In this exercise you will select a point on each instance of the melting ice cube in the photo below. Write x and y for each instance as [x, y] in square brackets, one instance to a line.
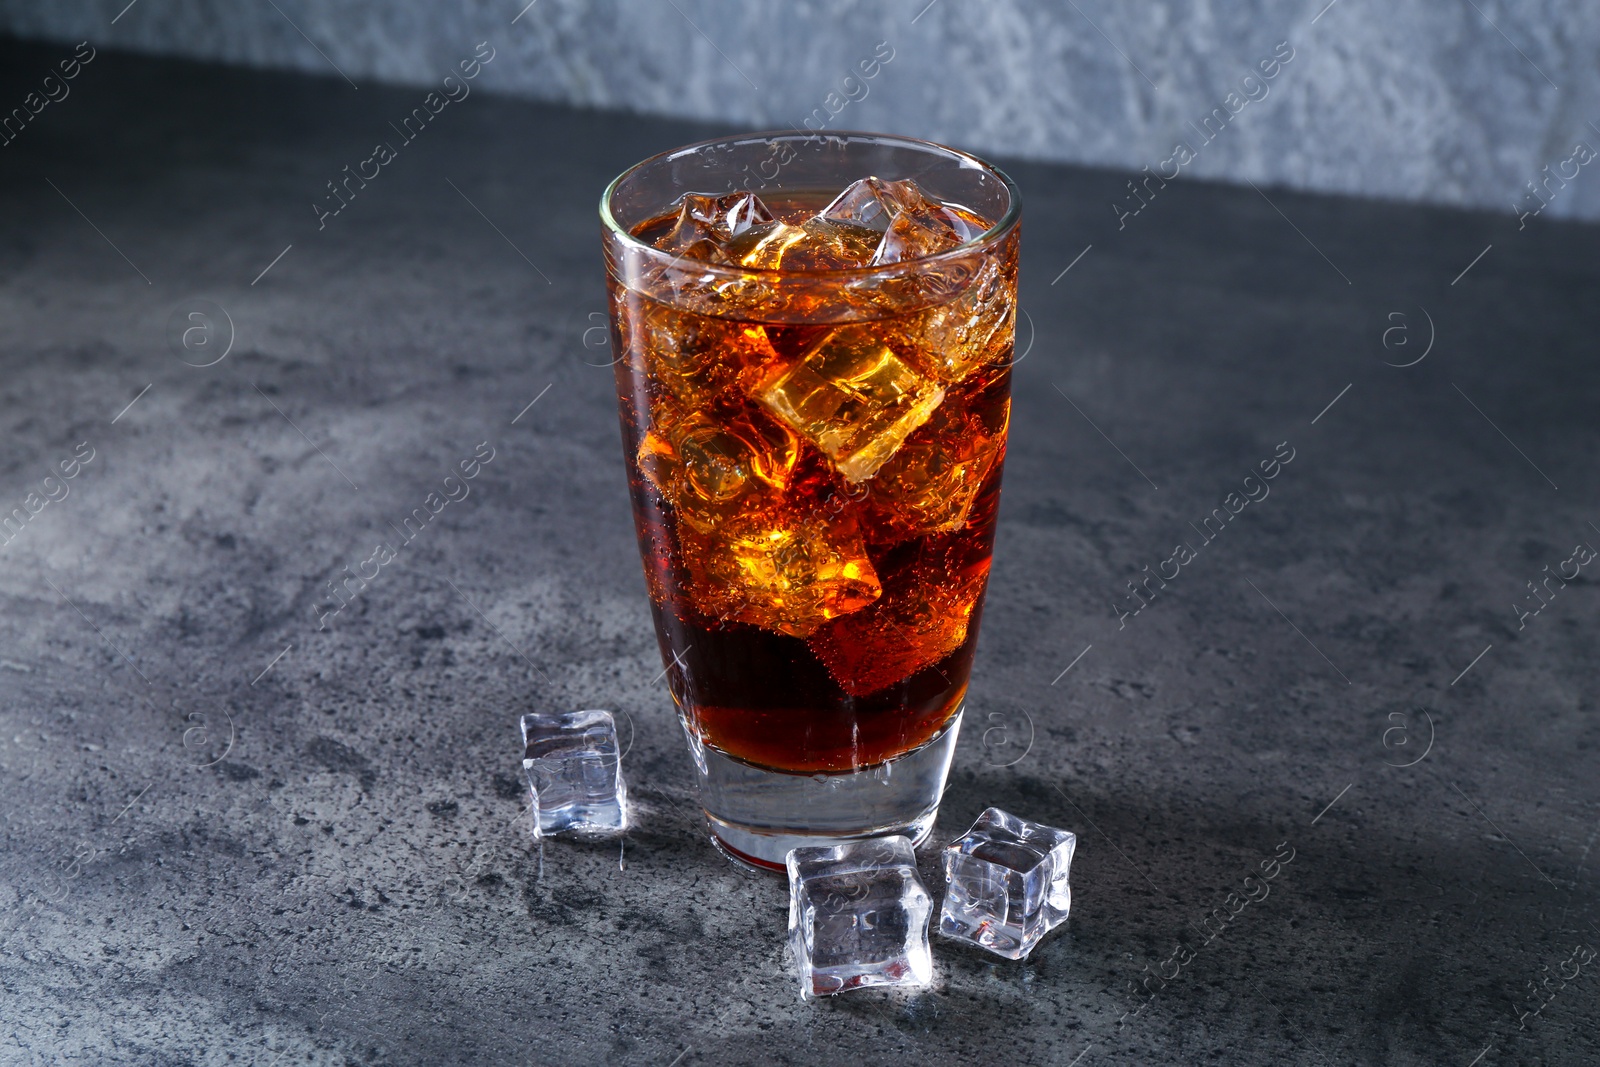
[574, 769]
[858, 916]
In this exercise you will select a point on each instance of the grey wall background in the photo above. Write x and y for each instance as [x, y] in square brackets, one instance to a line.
[1458, 102]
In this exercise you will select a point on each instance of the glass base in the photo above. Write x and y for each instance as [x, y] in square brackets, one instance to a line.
[757, 815]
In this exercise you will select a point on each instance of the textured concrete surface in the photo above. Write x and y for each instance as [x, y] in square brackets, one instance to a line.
[1455, 103]
[230, 836]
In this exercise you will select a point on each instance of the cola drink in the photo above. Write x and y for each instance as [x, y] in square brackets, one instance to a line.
[814, 388]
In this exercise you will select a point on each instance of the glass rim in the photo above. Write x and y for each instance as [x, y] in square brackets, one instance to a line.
[992, 236]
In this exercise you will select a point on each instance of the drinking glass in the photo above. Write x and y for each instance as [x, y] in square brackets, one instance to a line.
[814, 340]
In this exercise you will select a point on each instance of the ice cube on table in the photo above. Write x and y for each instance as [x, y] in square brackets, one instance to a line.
[858, 916]
[574, 768]
[1006, 883]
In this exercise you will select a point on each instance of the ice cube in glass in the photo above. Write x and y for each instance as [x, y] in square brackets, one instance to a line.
[858, 916]
[1006, 883]
[852, 397]
[574, 768]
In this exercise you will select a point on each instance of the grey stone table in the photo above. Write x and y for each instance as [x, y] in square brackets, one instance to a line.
[241, 827]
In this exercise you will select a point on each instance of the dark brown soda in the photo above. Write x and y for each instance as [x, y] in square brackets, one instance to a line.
[765, 697]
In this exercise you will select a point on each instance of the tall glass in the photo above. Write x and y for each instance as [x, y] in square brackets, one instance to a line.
[814, 456]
